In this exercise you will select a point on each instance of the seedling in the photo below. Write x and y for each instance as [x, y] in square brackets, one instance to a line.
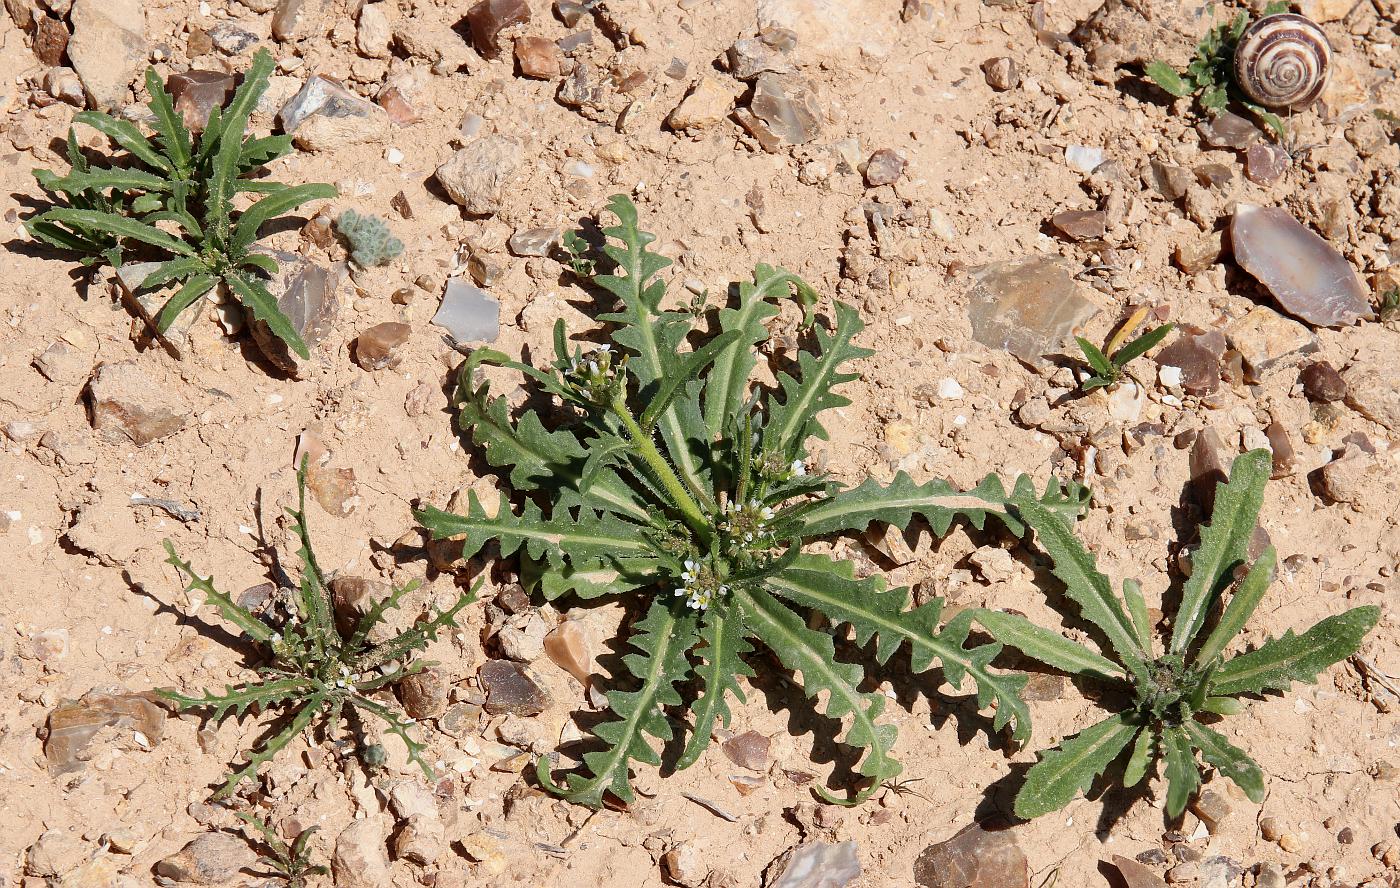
[1108, 363]
[186, 186]
[314, 670]
[679, 481]
[1388, 308]
[291, 862]
[1210, 76]
[1192, 677]
[371, 242]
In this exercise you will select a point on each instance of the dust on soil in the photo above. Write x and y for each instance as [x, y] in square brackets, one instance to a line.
[985, 171]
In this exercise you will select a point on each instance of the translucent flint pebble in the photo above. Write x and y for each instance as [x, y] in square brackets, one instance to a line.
[820, 865]
[468, 314]
[1028, 307]
[1310, 279]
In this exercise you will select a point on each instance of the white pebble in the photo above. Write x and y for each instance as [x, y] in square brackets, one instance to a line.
[1169, 376]
[1084, 158]
[949, 390]
[394, 156]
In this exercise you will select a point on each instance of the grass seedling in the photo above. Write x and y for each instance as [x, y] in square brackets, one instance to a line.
[188, 186]
[313, 670]
[291, 862]
[1108, 362]
[678, 478]
[1169, 693]
[1210, 76]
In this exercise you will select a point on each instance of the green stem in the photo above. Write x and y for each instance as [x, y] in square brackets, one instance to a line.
[644, 445]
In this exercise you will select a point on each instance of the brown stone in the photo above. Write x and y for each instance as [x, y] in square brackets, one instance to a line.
[1002, 73]
[72, 726]
[1265, 164]
[379, 347]
[974, 858]
[1207, 466]
[197, 93]
[425, 694]
[747, 750]
[50, 40]
[1285, 458]
[305, 293]
[1322, 383]
[1137, 875]
[1169, 180]
[883, 168]
[567, 646]
[1229, 130]
[353, 597]
[1029, 307]
[538, 57]
[400, 110]
[488, 18]
[211, 859]
[1266, 339]
[1198, 354]
[1081, 224]
[127, 403]
[1195, 256]
[511, 689]
[788, 106]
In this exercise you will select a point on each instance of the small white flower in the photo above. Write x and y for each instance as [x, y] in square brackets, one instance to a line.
[276, 637]
[798, 468]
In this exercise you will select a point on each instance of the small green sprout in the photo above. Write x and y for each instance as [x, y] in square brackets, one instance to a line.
[371, 242]
[1109, 362]
[1167, 694]
[109, 213]
[683, 478]
[291, 862]
[1210, 76]
[314, 670]
[1389, 308]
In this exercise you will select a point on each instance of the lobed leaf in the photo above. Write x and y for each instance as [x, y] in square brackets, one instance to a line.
[1045, 646]
[722, 631]
[231, 610]
[662, 639]
[794, 419]
[273, 206]
[255, 297]
[1228, 759]
[116, 226]
[128, 136]
[556, 540]
[1165, 76]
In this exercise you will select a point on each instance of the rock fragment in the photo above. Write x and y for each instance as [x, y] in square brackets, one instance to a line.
[788, 107]
[819, 865]
[63, 84]
[747, 750]
[360, 859]
[1371, 389]
[973, 857]
[65, 363]
[511, 688]
[50, 40]
[468, 314]
[1322, 383]
[372, 31]
[488, 18]
[108, 48]
[420, 840]
[353, 597]
[73, 725]
[1229, 130]
[1029, 307]
[567, 646]
[324, 116]
[305, 293]
[884, 167]
[687, 864]
[1198, 354]
[1265, 164]
[1081, 224]
[476, 176]
[211, 859]
[538, 58]
[707, 103]
[1137, 875]
[380, 347]
[1266, 339]
[1310, 279]
[196, 93]
[533, 241]
[749, 57]
[425, 694]
[1001, 73]
[230, 39]
[294, 19]
[128, 403]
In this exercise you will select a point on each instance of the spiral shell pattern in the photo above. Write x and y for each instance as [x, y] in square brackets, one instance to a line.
[1282, 61]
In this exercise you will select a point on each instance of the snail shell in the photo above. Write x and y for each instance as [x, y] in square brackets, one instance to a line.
[1282, 61]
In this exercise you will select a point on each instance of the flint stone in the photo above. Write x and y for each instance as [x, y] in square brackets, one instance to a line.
[1029, 307]
[108, 48]
[324, 115]
[567, 646]
[974, 858]
[63, 84]
[1305, 274]
[820, 865]
[50, 40]
[1322, 383]
[788, 107]
[488, 18]
[196, 93]
[511, 689]
[1195, 256]
[1001, 73]
[1081, 224]
[538, 57]
[1169, 180]
[747, 750]
[584, 88]
[1265, 164]
[295, 19]
[1207, 467]
[468, 314]
[476, 176]
[1229, 130]
[425, 694]
[353, 597]
[305, 293]
[533, 241]
[420, 840]
[1137, 875]
[210, 859]
[884, 167]
[128, 403]
[1197, 353]
[72, 725]
[378, 347]
[1371, 389]
[749, 57]
[1266, 339]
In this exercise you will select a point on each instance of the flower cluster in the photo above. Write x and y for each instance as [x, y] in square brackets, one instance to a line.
[594, 373]
[748, 522]
[775, 468]
[701, 584]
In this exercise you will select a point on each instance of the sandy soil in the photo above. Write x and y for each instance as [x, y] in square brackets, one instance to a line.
[985, 172]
